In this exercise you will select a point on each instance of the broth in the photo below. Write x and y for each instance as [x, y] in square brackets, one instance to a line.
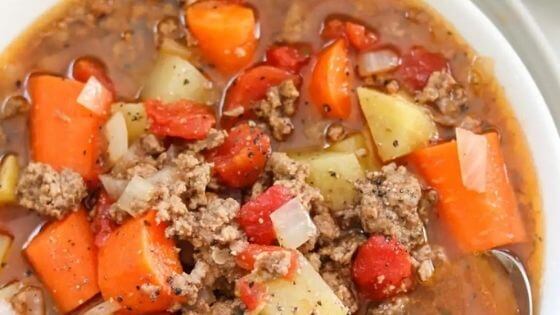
[124, 41]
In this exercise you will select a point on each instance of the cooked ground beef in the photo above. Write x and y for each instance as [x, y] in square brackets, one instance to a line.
[50, 193]
[336, 133]
[272, 265]
[277, 108]
[13, 106]
[340, 280]
[394, 306]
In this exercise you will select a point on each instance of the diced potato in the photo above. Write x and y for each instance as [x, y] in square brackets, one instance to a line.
[397, 125]
[362, 145]
[5, 244]
[174, 78]
[305, 295]
[135, 117]
[334, 173]
[9, 174]
[117, 137]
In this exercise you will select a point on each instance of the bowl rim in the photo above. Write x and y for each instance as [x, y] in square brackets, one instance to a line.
[532, 113]
[526, 101]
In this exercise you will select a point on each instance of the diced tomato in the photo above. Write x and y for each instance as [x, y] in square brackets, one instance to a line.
[382, 268]
[246, 259]
[254, 216]
[358, 35]
[287, 57]
[250, 87]
[86, 67]
[239, 162]
[418, 65]
[251, 293]
[182, 119]
[102, 224]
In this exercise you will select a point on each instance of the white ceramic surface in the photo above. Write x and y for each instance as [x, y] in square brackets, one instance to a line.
[521, 90]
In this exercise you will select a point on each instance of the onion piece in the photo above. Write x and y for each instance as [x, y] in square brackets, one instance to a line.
[473, 159]
[138, 191]
[108, 307]
[5, 244]
[165, 176]
[373, 62]
[292, 224]
[95, 97]
[6, 308]
[113, 186]
[19, 297]
[117, 137]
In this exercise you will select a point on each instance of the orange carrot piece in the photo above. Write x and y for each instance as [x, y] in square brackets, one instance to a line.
[478, 221]
[138, 254]
[225, 33]
[330, 81]
[64, 134]
[65, 259]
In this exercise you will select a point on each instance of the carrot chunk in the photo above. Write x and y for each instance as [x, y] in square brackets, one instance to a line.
[330, 81]
[64, 134]
[138, 255]
[225, 32]
[478, 221]
[65, 259]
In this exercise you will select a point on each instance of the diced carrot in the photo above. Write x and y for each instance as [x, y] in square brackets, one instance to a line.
[250, 87]
[330, 81]
[136, 255]
[225, 32]
[240, 161]
[64, 134]
[65, 259]
[182, 119]
[478, 221]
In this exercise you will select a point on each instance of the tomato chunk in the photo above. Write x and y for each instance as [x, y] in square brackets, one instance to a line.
[102, 224]
[330, 81]
[287, 57]
[251, 293]
[358, 35]
[182, 119]
[254, 216]
[418, 65]
[246, 259]
[382, 268]
[86, 67]
[241, 159]
[250, 87]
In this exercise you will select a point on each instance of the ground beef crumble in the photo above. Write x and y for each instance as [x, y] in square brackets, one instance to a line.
[277, 108]
[50, 193]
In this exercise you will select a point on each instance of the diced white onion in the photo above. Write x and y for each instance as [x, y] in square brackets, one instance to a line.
[165, 176]
[374, 62]
[29, 297]
[292, 224]
[95, 96]
[113, 186]
[117, 137]
[6, 308]
[137, 191]
[105, 308]
[473, 159]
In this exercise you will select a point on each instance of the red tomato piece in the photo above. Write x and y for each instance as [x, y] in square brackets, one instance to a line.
[417, 65]
[86, 67]
[102, 224]
[250, 87]
[287, 57]
[239, 162]
[251, 293]
[360, 37]
[254, 216]
[382, 268]
[182, 119]
[246, 259]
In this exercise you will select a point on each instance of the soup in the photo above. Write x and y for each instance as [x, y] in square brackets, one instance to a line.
[224, 156]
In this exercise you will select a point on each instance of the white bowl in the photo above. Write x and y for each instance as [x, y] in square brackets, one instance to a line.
[528, 105]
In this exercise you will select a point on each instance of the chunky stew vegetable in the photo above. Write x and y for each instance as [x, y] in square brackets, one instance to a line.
[258, 157]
